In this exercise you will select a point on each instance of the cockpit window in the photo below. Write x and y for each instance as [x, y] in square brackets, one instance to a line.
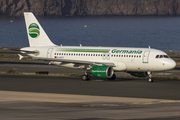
[166, 56]
[162, 56]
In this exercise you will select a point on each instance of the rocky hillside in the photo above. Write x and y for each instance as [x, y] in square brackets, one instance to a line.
[90, 7]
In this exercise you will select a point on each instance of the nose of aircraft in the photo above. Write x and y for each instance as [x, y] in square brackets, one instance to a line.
[172, 64]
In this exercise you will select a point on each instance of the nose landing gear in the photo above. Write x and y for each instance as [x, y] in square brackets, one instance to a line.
[150, 76]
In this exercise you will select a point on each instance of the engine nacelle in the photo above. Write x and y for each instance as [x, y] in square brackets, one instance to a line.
[139, 74]
[102, 71]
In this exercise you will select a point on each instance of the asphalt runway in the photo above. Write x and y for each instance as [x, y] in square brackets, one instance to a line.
[69, 98]
[161, 89]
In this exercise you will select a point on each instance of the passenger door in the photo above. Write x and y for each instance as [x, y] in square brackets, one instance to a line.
[146, 56]
[49, 53]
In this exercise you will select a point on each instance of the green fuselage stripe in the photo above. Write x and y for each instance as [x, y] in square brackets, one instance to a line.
[85, 50]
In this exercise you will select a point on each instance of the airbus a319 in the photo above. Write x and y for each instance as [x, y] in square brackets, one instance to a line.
[102, 62]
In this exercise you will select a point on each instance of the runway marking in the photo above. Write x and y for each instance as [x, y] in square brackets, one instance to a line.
[70, 98]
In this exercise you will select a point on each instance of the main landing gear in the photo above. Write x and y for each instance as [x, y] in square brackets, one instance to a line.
[150, 76]
[86, 76]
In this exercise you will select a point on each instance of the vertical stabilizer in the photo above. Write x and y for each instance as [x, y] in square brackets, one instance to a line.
[36, 34]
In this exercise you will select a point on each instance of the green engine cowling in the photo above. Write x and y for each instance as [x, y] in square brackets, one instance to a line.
[102, 71]
[139, 74]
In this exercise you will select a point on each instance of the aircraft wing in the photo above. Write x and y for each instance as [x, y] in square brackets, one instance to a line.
[77, 61]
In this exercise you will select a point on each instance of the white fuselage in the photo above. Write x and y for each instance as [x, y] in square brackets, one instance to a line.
[124, 58]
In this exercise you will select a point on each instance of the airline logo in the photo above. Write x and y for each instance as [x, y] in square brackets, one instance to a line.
[34, 31]
[127, 51]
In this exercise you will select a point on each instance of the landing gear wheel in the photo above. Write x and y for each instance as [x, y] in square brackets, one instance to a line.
[86, 77]
[150, 80]
[113, 77]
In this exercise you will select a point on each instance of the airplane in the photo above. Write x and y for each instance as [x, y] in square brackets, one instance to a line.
[101, 62]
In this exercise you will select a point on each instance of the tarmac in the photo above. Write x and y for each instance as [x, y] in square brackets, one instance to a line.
[24, 95]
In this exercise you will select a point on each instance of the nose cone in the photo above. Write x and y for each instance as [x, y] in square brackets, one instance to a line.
[171, 64]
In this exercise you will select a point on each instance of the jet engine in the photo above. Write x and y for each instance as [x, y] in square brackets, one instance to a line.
[102, 71]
